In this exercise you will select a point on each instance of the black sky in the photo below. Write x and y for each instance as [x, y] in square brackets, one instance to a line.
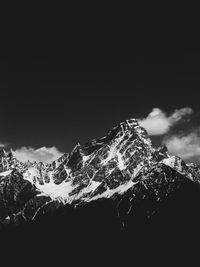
[58, 101]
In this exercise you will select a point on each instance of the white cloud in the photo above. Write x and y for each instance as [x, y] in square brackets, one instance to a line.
[187, 147]
[43, 154]
[158, 123]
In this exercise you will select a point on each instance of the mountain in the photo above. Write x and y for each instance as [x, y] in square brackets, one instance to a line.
[106, 168]
[119, 181]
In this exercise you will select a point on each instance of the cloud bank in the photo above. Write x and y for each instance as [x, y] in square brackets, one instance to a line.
[185, 146]
[184, 143]
[158, 123]
[44, 154]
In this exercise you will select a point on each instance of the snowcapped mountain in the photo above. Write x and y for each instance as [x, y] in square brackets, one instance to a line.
[123, 164]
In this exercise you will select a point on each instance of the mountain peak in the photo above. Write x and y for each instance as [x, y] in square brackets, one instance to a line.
[90, 170]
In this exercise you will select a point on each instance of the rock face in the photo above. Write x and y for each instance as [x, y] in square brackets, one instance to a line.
[121, 169]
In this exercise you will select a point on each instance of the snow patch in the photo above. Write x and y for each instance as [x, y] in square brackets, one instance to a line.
[5, 173]
[110, 192]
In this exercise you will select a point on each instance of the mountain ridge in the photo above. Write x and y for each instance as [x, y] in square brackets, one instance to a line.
[106, 168]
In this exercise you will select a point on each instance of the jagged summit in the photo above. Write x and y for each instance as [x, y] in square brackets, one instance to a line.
[100, 169]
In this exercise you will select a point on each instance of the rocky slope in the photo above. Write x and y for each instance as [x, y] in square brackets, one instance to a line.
[122, 168]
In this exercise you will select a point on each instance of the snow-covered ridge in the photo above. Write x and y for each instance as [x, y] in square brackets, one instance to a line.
[128, 138]
[99, 169]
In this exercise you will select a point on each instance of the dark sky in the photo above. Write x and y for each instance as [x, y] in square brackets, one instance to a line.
[49, 101]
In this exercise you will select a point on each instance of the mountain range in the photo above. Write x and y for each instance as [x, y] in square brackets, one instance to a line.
[122, 161]
[111, 185]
